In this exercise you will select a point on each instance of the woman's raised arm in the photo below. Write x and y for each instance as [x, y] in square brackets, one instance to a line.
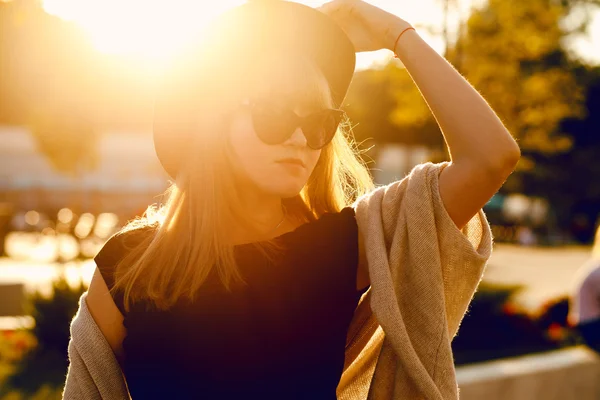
[483, 153]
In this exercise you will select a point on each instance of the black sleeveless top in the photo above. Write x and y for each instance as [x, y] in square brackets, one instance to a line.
[281, 335]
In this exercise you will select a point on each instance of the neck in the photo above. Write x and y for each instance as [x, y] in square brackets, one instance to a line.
[264, 214]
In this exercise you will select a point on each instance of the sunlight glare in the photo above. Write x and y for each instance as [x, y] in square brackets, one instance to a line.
[148, 29]
[152, 30]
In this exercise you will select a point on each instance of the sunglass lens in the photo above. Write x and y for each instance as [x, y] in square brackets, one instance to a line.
[321, 128]
[272, 126]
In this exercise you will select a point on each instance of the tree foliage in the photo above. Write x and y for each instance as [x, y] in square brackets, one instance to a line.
[515, 53]
[511, 52]
[389, 108]
[570, 179]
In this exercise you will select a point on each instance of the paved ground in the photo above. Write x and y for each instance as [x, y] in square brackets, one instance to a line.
[545, 273]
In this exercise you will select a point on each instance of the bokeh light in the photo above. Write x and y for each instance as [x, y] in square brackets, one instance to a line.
[32, 217]
[65, 215]
[84, 225]
[106, 223]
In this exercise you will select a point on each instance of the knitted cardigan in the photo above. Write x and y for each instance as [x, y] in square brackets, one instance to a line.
[423, 271]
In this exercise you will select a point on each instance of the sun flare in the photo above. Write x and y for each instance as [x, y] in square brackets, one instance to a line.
[151, 31]
[148, 29]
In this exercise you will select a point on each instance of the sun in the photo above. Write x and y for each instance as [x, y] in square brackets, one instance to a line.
[146, 29]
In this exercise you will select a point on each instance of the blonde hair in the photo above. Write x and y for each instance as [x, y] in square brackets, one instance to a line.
[190, 240]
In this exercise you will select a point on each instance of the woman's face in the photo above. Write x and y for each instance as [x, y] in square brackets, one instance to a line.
[281, 169]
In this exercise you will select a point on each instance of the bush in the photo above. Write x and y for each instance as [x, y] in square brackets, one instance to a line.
[496, 327]
[46, 392]
[42, 370]
[13, 345]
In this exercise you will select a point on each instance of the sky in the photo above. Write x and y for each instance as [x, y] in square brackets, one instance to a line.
[154, 29]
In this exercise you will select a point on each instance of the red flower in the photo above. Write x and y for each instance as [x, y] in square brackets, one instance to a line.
[556, 332]
[509, 308]
[21, 344]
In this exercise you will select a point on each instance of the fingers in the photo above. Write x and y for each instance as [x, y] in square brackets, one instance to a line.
[329, 8]
[338, 7]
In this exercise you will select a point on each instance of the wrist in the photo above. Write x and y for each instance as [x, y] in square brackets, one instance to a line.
[394, 32]
[406, 43]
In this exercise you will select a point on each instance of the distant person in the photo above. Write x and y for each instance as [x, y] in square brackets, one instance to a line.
[246, 284]
[585, 310]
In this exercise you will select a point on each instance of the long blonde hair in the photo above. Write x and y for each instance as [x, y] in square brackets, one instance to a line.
[190, 238]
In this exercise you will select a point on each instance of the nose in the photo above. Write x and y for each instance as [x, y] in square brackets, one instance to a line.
[297, 139]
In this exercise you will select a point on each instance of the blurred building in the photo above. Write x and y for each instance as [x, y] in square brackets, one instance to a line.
[128, 176]
[394, 161]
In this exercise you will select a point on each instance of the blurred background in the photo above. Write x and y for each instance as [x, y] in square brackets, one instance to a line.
[77, 81]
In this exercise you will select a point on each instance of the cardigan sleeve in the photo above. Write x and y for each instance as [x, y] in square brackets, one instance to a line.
[416, 222]
[409, 216]
[463, 254]
[423, 273]
[93, 372]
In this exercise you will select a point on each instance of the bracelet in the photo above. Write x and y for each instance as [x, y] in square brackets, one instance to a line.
[398, 38]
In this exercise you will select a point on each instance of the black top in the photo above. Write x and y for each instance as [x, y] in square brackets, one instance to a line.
[280, 336]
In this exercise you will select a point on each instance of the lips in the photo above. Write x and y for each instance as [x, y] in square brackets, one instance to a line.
[292, 161]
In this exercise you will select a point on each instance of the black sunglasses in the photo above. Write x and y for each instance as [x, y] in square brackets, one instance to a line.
[274, 125]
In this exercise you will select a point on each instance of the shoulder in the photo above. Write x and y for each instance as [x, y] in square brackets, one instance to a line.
[344, 218]
[121, 242]
[117, 246]
[331, 231]
[334, 225]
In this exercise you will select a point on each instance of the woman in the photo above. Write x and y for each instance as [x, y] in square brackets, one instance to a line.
[245, 283]
[585, 307]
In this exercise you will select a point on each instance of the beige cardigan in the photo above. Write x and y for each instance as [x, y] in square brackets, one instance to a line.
[423, 273]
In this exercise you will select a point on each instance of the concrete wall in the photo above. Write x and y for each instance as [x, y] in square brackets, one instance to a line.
[572, 374]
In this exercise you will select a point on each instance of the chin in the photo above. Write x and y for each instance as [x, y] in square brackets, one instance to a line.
[285, 190]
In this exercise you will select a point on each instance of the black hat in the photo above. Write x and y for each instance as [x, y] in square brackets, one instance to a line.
[246, 32]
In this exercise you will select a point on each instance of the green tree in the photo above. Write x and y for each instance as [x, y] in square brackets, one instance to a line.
[388, 108]
[511, 52]
[514, 53]
[570, 179]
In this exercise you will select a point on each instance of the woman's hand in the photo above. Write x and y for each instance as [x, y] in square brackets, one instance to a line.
[370, 28]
